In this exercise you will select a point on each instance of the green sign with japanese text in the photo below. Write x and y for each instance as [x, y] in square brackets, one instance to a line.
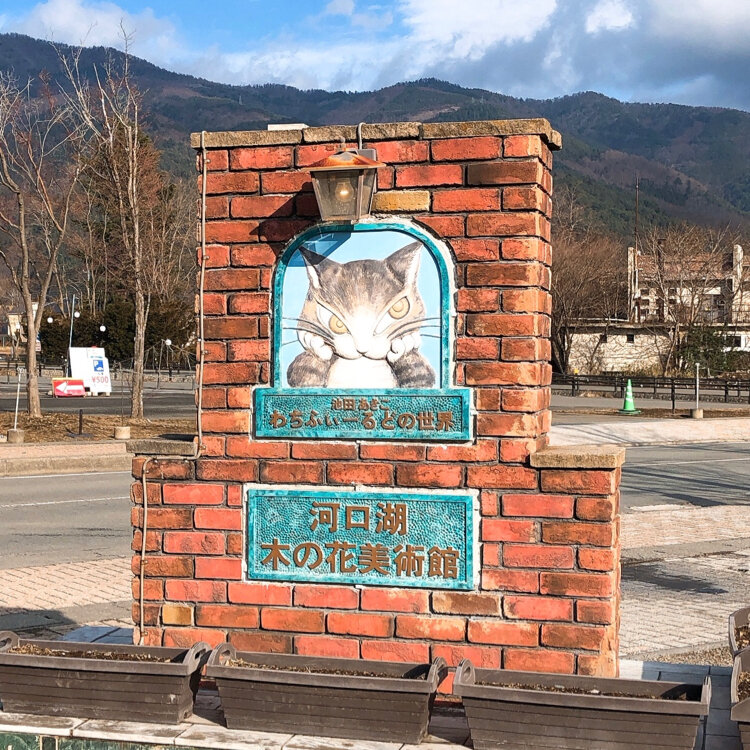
[366, 537]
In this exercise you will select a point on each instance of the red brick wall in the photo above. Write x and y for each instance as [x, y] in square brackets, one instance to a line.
[549, 532]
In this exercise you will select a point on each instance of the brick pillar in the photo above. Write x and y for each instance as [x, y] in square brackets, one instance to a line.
[547, 594]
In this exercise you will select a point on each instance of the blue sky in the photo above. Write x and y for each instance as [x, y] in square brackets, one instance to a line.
[684, 51]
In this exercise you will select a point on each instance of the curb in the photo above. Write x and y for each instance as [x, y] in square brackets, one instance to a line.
[19, 467]
[63, 458]
[652, 432]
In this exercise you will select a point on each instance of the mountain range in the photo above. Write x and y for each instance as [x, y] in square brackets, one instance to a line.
[691, 162]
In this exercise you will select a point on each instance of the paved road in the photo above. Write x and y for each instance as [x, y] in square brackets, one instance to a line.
[169, 400]
[51, 519]
[704, 475]
[686, 543]
[70, 518]
[176, 399]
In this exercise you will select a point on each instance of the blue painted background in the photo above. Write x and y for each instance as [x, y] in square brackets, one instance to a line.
[343, 247]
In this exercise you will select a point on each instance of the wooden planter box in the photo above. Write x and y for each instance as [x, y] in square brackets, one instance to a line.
[738, 619]
[348, 698]
[502, 713]
[741, 708]
[99, 688]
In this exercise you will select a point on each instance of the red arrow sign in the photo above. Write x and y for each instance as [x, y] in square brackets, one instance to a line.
[66, 387]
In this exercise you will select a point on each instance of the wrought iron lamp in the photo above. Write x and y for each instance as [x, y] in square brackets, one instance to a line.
[344, 184]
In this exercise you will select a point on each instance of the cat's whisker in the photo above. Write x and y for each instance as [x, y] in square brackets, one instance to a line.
[310, 327]
[430, 336]
[412, 326]
[305, 321]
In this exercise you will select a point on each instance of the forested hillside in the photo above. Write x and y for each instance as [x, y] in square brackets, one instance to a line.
[691, 161]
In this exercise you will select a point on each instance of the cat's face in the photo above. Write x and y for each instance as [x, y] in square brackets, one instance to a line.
[359, 308]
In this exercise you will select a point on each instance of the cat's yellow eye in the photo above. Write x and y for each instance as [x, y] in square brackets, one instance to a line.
[398, 309]
[337, 325]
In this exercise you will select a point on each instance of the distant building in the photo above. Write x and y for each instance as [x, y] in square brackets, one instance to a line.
[712, 291]
[711, 288]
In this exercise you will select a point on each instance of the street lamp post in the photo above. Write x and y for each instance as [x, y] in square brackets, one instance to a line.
[697, 412]
[168, 342]
[74, 314]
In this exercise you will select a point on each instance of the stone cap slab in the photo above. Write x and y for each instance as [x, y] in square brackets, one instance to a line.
[579, 457]
[162, 446]
[380, 131]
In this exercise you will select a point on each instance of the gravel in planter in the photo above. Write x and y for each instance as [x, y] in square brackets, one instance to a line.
[740, 695]
[131, 683]
[347, 698]
[538, 710]
[739, 630]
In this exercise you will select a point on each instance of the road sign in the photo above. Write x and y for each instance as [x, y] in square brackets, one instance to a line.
[67, 387]
[90, 364]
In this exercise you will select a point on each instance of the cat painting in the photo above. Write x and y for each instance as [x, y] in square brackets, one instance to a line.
[360, 324]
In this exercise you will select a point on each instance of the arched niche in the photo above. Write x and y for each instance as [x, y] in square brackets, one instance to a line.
[362, 338]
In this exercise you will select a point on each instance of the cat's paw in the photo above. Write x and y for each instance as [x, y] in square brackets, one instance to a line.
[402, 346]
[316, 345]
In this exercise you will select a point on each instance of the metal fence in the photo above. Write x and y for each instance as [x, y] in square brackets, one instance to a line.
[672, 389]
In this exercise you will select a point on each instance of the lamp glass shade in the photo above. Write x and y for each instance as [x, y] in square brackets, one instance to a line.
[345, 184]
[338, 194]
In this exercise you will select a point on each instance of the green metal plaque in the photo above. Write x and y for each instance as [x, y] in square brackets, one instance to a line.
[357, 413]
[368, 537]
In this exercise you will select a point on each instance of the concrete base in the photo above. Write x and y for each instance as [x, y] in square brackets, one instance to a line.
[15, 436]
[122, 432]
[696, 413]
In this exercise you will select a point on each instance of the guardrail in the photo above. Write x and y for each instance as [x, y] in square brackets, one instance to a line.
[672, 389]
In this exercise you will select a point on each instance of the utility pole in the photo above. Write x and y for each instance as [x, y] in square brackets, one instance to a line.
[634, 312]
[637, 190]
[697, 412]
[70, 336]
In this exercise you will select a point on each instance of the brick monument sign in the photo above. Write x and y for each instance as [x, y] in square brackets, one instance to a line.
[374, 478]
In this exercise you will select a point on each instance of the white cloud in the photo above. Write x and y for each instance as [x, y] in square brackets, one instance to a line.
[690, 51]
[720, 24]
[101, 23]
[340, 8]
[436, 36]
[469, 28]
[609, 15]
[372, 19]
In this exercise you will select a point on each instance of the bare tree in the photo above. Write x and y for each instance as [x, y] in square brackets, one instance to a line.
[111, 109]
[688, 280]
[40, 147]
[169, 227]
[136, 225]
[88, 249]
[588, 277]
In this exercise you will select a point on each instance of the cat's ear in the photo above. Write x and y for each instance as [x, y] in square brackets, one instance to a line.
[314, 263]
[405, 262]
